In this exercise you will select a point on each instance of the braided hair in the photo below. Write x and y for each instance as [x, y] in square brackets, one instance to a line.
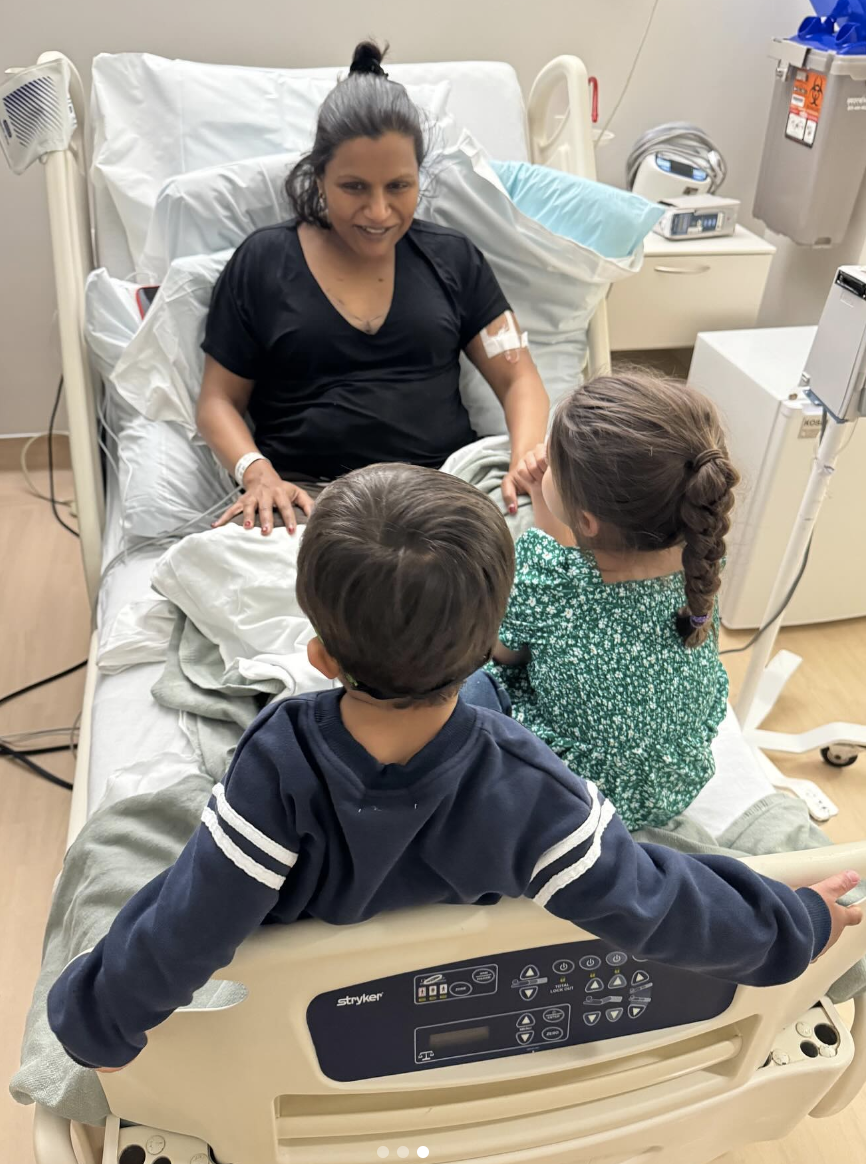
[646, 456]
[364, 104]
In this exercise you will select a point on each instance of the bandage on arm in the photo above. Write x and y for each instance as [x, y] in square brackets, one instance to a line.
[503, 338]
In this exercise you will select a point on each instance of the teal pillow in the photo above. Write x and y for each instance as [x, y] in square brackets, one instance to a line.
[611, 222]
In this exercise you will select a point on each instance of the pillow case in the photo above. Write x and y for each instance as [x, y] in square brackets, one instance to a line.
[610, 221]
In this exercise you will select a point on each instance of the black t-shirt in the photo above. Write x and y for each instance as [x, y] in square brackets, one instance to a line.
[328, 397]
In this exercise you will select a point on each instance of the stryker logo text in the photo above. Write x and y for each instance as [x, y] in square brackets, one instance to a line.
[359, 999]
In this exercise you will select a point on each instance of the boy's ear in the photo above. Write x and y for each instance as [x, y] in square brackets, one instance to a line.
[321, 660]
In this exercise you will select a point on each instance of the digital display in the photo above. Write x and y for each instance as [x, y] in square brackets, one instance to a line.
[443, 1040]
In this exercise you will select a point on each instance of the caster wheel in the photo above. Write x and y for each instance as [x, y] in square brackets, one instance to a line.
[838, 756]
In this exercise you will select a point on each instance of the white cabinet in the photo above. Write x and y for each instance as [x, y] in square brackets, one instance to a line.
[689, 286]
[754, 378]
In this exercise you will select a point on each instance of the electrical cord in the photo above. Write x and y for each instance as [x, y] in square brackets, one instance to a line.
[631, 73]
[37, 769]
[793, 587]
[41, 682]
[28, 480]
[52, 497]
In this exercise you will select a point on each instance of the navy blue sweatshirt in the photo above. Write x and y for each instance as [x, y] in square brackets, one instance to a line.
[307, 824]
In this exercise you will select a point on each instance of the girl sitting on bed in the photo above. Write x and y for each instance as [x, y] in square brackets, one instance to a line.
[609, 647]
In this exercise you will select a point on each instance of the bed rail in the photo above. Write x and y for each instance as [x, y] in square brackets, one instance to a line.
[69, 218]
[564, 141]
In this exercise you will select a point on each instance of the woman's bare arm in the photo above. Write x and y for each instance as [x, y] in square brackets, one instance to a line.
[222, 404]
[514, 378]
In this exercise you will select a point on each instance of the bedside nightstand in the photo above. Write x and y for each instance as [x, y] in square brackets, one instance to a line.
[689, 286]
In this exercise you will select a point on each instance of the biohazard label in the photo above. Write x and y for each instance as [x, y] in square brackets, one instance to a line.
[804, 108]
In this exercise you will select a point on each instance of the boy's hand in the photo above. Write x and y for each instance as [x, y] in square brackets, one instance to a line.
[841, 916]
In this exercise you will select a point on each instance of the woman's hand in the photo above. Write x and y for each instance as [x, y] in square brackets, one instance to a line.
[265, 491]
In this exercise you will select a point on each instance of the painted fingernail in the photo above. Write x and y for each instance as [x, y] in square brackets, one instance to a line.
[266, 529]
[248, 525]
[512, 509]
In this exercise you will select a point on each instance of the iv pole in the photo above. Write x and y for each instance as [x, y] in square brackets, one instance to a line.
[840, 743]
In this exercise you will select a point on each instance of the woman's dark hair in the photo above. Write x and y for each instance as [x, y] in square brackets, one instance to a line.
[405, 574]
[364, 104]
[646, 456]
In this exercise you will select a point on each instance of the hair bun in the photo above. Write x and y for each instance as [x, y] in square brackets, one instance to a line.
[367, 58]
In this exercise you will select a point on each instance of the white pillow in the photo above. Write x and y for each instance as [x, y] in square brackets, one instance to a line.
[156, 118]
[160, 371]
[553, 283]
[214, 209]
[165, 479]
[167, 482]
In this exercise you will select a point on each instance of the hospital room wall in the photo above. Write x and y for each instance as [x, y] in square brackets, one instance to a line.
[705, 63]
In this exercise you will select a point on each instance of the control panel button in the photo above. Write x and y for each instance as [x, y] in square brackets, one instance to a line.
[551, 1034]
[639, 977]
[443, 988]
[155, 1145]
[805, 1030]
[618, 982]
[563, 966]
[554, 1015]
[422, 991]
[430, 979]
[525, 1036]
[482, 977]
[592, 1017]
[527, 993]
[460, 989]
[526, 1020]
[617, 958]
[529, 972]
[594, 985]
[636, 1010]
[614, 1014]
[590, 962]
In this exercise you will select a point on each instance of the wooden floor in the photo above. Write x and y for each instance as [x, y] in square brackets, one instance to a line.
[45, 629]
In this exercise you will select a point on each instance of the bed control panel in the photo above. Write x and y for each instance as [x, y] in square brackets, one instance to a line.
[518, 1003]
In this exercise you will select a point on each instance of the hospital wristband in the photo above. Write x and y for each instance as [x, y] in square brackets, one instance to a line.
[244, 463]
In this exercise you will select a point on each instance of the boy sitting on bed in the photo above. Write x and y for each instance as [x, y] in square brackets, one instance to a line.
[396, 790]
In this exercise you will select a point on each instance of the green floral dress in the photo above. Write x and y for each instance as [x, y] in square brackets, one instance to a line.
[610, 686]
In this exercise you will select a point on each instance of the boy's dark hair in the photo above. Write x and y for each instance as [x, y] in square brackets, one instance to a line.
[405, 573]
[364, 104]
[647, 457]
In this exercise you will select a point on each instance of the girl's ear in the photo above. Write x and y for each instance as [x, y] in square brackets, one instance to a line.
[321, 660]
[588, 525]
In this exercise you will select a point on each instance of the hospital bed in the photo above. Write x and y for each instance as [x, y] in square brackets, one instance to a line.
[454, 1034]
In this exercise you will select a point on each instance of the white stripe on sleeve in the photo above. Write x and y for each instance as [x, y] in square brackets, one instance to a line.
[586, 862]
[237, 856]
[232, 817]
[581, 834]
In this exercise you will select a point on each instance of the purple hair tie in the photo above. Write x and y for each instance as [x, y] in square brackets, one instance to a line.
[698, 619]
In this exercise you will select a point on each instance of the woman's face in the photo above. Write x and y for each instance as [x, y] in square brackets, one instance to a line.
[370, 187]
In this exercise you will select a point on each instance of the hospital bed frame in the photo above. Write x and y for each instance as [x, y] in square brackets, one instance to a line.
[684, 1094]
